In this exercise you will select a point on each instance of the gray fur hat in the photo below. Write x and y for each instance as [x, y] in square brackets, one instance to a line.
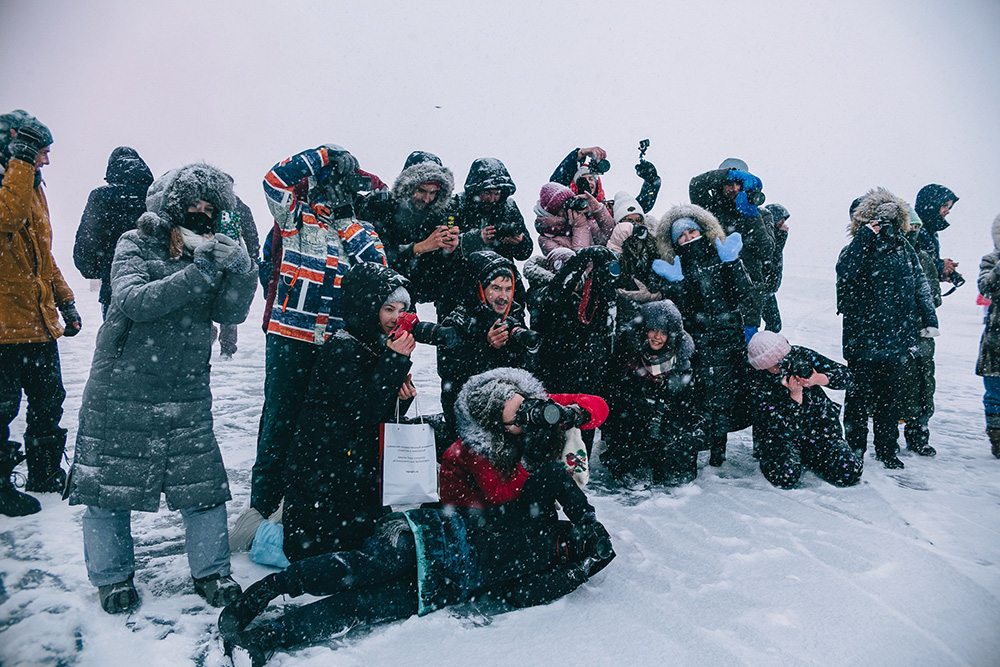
[169, 196]
[479, 405]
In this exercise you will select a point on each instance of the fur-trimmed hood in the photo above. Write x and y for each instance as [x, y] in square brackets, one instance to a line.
[169, 196]
[710, 228]
[422, 172]
[876, 203]
[664, 316]
[480, 404]
[996, 232]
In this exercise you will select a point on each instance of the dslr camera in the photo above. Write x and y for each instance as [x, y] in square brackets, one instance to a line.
[576, 204]
[428, 333]
[544, 413]
[796, 365]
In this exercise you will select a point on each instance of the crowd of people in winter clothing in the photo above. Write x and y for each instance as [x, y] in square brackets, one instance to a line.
[661, 332]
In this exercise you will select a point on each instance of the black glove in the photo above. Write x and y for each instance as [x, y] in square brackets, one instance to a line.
[72, 319]
[538, 444]
[29, 140]
[646, 171]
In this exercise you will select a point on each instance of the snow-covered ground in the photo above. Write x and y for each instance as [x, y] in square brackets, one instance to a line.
[903, 569]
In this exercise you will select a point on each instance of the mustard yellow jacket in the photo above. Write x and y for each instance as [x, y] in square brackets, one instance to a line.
[31, 285]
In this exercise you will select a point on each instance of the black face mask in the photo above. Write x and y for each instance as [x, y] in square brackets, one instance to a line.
[199, 223]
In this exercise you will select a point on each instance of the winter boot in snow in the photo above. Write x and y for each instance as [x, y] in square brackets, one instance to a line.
[251, 604]
[12, 501]
[718, 452]
[44, 456]
[119, 598]
[251, 648]
[917, 438]
[218, 590]
[994, 434]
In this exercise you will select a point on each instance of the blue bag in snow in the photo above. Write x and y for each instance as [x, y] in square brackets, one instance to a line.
[268, 545]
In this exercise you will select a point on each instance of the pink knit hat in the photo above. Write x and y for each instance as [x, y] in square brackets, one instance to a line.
[553, 196]
[766, 349]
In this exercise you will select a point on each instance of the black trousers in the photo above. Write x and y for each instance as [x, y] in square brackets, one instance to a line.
[34, 369]
[873, 391]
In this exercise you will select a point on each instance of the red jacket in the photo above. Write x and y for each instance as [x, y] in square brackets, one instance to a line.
[470, 478]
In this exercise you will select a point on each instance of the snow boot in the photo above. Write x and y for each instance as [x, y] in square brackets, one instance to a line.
[44, 456]
[119, 598]
[12, 501]
[218, 590]
[994, 434]
[251, 648]
[239, 614]
[917, 438]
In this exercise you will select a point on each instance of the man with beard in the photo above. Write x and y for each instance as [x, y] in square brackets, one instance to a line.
[726, 193]
[420, 241]
[32, 296]
[489, 217]
[490, 327]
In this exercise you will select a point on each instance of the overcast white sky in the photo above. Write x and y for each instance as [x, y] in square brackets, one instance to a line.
[823, 100]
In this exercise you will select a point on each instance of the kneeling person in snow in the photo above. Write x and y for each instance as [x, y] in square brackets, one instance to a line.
[421, 560]
[654, 422]
[146, 417]
[795, 423]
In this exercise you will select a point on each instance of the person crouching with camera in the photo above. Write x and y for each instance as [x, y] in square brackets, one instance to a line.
[489, 326]
[332, 495]
[795, 424]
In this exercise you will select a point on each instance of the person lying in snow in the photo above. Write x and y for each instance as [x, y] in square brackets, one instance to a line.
[424, 559]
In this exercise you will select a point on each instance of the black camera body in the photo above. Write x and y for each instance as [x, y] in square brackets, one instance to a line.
[576, 204]
[956, 279]
[640, 232]
[506, 230]
[796, 365]
[756, 197]
[599, 167]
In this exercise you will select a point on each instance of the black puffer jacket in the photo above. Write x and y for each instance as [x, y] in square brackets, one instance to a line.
[654, 420]
[473, 353]
[472, 216]
[930, 199]
[882, 290]
[111, 211]
[332, 497]
[577, 320]
[401, 226]
[711, 297]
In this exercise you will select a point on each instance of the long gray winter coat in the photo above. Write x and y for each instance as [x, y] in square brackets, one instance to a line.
[146, 417]
[989, 286]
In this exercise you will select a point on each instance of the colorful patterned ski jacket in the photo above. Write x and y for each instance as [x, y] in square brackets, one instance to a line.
[319, 245]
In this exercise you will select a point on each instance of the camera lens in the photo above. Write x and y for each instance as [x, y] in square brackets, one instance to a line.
[756, 197]
[600, 166]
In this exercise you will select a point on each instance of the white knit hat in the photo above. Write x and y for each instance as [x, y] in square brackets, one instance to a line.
[766, 349]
